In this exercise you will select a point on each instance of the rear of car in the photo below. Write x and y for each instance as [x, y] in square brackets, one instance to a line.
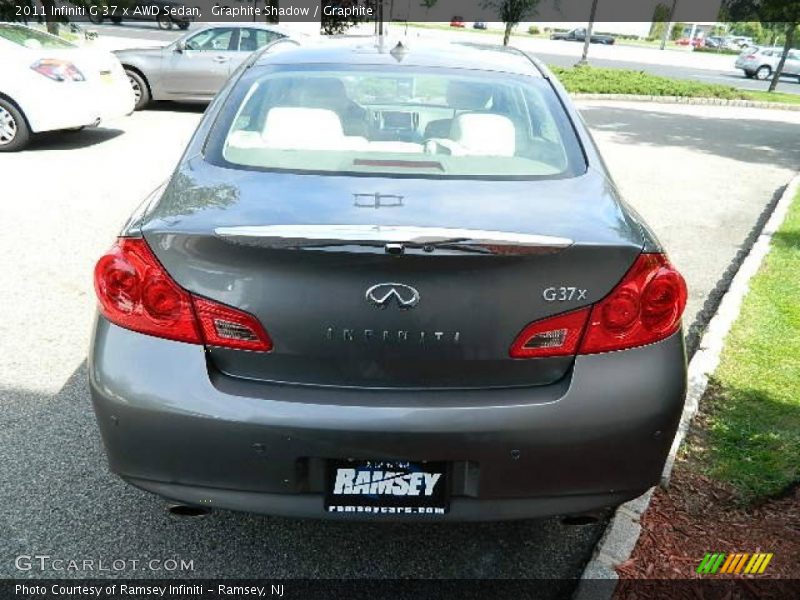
[389, 289]
[49, 84]
[762, 62]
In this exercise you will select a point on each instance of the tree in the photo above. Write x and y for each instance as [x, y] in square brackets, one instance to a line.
[660, 18]
[511, 12]
[783, 12]
[670, 25]
[428, 4]
[588, 39]
[8, 11]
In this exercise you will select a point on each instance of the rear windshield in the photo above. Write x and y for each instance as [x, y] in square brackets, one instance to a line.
[406, 122]
[30, 38]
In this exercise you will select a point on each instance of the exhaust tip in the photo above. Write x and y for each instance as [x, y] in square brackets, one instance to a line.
[578, 520]
[186, 510]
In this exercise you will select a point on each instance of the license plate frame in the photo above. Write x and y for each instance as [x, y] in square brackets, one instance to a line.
[387, 487]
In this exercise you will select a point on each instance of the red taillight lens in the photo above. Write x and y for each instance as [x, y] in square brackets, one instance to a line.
[645, 307]
[554, 336]
[136, 292]
[230, 328]
[58, 70]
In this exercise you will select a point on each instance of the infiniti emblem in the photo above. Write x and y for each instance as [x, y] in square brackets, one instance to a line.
[382, 295]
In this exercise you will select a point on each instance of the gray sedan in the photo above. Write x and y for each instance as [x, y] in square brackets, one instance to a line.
[194, 67]
[389, 282]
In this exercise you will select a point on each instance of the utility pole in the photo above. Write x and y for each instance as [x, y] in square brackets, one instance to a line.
[588, 39]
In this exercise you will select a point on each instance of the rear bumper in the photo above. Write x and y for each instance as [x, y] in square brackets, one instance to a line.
[175, 427]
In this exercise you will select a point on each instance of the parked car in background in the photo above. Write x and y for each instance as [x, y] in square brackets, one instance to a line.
[479, 25]
[194, 67]
[762, 62]
[457, 22]
[505, 343]
[167, 13]
[579, 35]
[693, 42]
[47, 84]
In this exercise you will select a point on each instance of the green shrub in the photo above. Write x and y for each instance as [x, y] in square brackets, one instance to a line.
[533, 30]
[718, 51]
[593, 80]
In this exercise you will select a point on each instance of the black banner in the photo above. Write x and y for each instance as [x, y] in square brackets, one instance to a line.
[442, 11]
[711, 588]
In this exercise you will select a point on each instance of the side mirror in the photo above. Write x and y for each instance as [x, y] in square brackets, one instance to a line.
[180, 46]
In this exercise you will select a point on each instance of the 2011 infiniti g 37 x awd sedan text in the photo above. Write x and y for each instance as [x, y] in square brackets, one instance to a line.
[389, 281]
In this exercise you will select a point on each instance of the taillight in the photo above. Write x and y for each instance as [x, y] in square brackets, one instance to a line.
[555, 336]
[230, 328]
[645, 307]
[58, 70]
[135, 292]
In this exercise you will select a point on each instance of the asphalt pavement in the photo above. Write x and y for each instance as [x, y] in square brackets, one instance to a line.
[702, 176]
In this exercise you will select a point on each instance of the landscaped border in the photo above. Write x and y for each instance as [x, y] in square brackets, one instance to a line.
[622, 533]
[688, 100]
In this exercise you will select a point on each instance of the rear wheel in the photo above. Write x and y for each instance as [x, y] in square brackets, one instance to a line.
[14, 131]
[164, 22]
[183, 24]
[763, 73]
[141, 92]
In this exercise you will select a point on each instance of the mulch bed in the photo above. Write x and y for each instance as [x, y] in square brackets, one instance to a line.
[697, 515]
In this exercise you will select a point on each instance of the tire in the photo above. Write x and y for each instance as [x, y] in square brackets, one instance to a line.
[763, 72]
[116, 20]
[140, 90]
[749, 74]
[96, 19]
[184, 25]
[14, 131]
[164, 22]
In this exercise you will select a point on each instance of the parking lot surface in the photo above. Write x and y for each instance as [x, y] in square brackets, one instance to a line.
[700, 175]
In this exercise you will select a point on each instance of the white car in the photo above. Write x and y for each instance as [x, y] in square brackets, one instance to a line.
[47, 84]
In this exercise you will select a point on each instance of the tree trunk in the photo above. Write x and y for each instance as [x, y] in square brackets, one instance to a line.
[588, 39]
[791, 29]
[52, 24]
[507, 34]
[669, 24]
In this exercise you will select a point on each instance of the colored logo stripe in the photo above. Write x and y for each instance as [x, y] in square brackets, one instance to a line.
[758, 563]
[734, 563]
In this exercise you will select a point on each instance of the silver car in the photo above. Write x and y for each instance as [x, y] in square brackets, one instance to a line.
[762, 62]
[194, 67]
[389, 282]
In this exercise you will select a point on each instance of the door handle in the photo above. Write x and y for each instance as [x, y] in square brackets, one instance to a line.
[221, 59]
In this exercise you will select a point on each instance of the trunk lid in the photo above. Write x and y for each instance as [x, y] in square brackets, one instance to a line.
[391, 282]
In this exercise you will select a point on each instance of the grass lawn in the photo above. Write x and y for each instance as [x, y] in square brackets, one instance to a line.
[749, 424]
[595, 80]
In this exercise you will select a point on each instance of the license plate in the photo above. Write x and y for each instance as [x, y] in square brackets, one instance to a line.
[387, 487]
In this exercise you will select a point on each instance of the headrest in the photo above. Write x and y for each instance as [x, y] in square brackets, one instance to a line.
[484, 134]
[468, 95]
[301, 127]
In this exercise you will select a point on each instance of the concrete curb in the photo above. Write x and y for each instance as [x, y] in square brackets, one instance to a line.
[619, 539]
[687, 100]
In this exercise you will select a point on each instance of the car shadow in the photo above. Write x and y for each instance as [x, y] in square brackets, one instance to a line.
[71, 140]
[760, 141]
[61, 496]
